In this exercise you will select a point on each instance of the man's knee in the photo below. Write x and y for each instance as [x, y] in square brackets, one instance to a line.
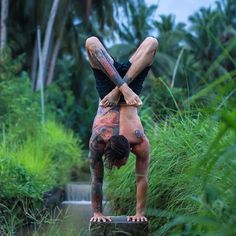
[91, 43]
[151, 44]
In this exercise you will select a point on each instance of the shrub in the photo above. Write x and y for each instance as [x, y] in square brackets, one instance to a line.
[191, 177]
[34, 157]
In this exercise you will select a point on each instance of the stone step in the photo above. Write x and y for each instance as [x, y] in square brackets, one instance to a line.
[119, 226]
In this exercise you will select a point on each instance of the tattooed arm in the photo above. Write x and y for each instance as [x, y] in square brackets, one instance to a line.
[97, 172]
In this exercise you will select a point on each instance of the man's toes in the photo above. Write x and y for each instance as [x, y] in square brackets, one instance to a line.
[104, 100]
[101, 103]
[104, 104]
[138, 101]
[131, 103]
[107, 104]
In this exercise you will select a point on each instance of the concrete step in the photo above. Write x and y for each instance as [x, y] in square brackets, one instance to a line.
[119, 226]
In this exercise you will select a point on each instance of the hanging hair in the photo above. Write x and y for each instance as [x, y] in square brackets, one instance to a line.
[117, 148]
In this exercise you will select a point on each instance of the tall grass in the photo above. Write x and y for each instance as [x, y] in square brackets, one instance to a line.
[34, 158]
[30, 169]
[191, 177]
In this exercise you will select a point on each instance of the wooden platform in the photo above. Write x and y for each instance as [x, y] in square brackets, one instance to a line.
[119, 226]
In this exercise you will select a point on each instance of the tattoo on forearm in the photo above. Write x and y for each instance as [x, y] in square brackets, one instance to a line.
[127, 79]
[97, 196]
[103, 61]
[97, 172]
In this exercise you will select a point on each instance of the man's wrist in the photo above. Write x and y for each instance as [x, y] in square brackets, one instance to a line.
[97, 212]
[122, 87]
[140, 211]
[116, 90]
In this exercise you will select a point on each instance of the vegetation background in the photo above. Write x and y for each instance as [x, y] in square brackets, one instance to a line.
[189, 109]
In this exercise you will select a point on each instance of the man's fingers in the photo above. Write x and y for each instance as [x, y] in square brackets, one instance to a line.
[136, 218]
[100, 219]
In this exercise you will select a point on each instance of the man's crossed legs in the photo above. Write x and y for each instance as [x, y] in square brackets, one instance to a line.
[100, 59]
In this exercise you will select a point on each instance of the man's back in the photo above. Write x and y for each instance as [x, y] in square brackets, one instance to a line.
[105, 125]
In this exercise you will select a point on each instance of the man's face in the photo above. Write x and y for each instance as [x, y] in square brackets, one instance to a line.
[121, 162]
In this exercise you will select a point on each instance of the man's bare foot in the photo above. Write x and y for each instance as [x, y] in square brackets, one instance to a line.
[111, 99]
[131, 98]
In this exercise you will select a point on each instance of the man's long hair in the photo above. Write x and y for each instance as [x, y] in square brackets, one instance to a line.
[117, 148]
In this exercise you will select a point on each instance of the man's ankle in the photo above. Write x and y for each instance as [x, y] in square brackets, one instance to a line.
[123, 87]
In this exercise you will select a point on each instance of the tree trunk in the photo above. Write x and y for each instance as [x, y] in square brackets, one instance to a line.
[53, 61]
[57, 47]
[34, 66]
[47, 38]
[3, 30]
[88, 7]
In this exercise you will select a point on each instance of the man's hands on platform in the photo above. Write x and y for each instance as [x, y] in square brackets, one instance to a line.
[137, 217]
[99, 217]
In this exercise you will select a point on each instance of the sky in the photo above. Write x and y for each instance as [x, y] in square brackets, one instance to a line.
[180, 8]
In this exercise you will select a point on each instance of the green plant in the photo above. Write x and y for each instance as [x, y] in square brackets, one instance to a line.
[34, 157]
[180, 162]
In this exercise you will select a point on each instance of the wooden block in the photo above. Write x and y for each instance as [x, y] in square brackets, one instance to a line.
[119, 226]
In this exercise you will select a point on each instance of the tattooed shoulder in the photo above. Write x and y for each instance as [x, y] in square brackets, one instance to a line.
[96, 142]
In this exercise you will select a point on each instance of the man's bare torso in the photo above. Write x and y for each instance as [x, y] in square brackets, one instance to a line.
[122, 119]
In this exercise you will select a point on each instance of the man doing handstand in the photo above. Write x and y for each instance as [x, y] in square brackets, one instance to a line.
[117, 128]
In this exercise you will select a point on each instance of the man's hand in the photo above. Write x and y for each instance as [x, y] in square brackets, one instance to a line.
[99, 217]
[137, 217]
[111, 99]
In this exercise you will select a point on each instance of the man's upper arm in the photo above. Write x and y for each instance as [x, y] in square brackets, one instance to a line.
[96, 143]
[142, 151]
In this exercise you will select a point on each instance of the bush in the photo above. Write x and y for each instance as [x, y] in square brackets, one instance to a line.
[34, 157]
[191, 177]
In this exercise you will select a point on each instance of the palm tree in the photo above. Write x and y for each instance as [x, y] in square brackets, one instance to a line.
[171, 46]
[134, 28]
[46, 44]
[3, 29]
[209, 43]
[27, 14]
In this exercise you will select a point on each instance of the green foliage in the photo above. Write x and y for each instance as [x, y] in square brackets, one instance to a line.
[72, 99]
[19, 107]
[34, 157]
[162, 99]
[192, 189]
[191, 176]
